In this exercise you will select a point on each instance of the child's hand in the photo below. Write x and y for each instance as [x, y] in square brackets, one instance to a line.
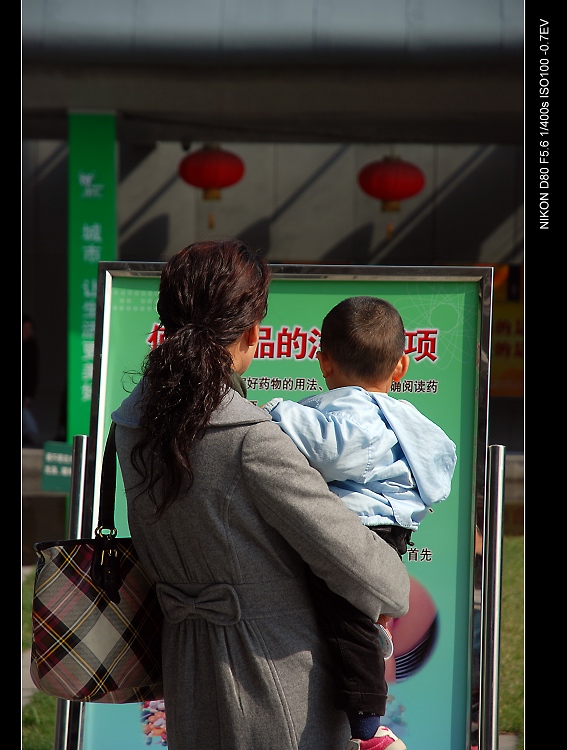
[271, 404]
[384, 636]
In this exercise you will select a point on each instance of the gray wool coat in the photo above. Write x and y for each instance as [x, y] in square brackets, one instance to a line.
[243, 662]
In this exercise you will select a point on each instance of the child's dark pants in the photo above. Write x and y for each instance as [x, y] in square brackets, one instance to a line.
[356, 654]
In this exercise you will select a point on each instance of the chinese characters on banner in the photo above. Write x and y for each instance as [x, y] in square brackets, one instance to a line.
[507, 361]
[92, 238]
[295, 343]
[57, 467]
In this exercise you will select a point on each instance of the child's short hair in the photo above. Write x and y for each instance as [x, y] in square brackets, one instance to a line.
[364, 336]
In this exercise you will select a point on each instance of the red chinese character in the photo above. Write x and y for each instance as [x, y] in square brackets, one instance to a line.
[156, 336]
[265, 348]
[284, 342]
[424, 342]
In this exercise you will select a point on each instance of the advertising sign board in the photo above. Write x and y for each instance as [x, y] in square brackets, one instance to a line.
[433, 676]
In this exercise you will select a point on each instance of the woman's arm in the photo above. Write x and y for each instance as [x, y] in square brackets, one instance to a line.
[293, 497]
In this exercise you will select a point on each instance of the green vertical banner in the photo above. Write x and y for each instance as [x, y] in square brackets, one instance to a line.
[92, 238]
[447, 314]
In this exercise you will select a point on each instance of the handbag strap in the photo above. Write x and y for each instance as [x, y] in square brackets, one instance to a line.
[108, 484]
[105, 568]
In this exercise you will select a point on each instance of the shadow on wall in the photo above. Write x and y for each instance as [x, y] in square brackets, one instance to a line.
[257, 235]
[506, 423]
[148, 243]
[354, 249]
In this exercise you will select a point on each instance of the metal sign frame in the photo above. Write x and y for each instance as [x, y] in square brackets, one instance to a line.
[484, 590]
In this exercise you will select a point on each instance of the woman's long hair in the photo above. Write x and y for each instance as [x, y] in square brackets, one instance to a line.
[209, 294]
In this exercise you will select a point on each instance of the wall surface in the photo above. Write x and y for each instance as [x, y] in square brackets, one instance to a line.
[306, 92]
[296, 202]
[311, 71]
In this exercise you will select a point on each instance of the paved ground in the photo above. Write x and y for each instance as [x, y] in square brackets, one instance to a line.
[28, 688]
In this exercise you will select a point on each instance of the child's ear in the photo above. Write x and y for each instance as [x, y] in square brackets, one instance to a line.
[325, 363]
[401, 368]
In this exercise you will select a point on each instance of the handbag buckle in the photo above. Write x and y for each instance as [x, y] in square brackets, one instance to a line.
[105, 570]
[110, 533]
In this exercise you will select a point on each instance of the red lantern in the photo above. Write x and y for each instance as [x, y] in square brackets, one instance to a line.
[211, 169]
[391, 180]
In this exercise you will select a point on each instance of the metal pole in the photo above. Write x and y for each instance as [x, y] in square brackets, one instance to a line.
[492, 599]
[78, 481]
[68, 718]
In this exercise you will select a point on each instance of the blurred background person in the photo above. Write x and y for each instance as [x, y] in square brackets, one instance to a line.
[30, 379]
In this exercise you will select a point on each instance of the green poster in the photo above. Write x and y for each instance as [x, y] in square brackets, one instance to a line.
[447, 317]
[92, 238]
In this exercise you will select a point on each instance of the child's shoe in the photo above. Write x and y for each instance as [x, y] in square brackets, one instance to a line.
[384, 739]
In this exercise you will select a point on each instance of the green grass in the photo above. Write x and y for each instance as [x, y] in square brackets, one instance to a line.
[27, 596]
[38, 723]
[38, 717]
[511, 686]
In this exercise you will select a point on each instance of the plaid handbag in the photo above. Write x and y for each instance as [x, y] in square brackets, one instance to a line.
[96, 619]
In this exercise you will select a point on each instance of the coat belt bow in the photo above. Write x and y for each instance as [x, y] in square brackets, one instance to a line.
[218, 604]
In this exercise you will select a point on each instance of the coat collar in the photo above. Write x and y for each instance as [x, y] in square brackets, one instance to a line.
[234, 409]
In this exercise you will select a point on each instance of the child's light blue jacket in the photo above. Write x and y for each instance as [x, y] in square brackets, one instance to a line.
[385, 459]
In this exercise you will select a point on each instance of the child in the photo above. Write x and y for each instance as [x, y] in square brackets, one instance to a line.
[388, 463]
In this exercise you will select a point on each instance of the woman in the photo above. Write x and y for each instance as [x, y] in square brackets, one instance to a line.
[226, 513]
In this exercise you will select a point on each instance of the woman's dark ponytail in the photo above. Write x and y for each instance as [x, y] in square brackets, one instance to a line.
[210, 293]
